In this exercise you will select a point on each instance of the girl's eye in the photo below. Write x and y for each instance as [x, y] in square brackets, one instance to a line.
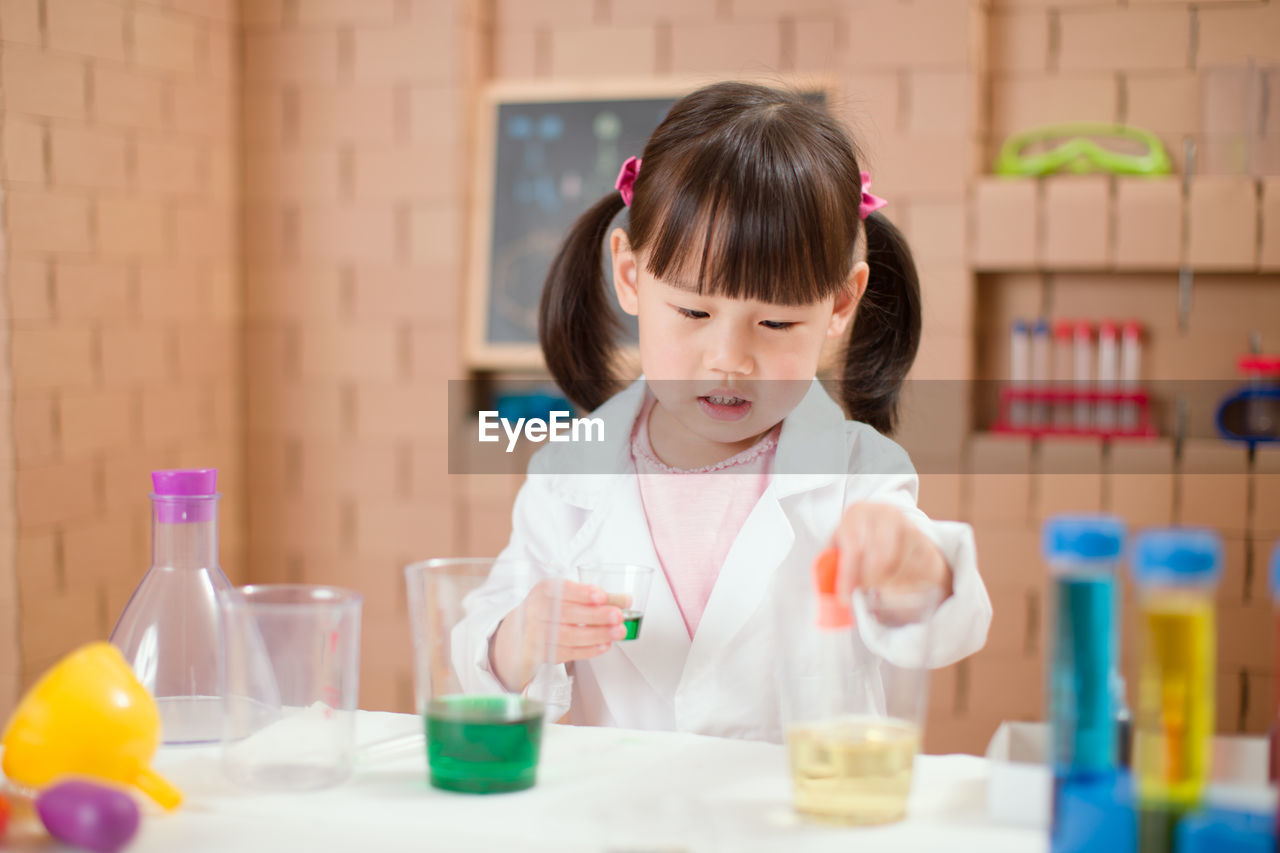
[776, 324]
[692, 314]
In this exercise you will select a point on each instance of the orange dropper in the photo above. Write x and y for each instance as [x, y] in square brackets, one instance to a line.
[833, 614]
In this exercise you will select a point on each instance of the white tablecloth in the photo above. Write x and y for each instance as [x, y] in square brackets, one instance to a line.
[598, 790]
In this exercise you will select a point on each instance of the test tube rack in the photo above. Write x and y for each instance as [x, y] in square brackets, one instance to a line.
[1019, 408]
[1083, 381]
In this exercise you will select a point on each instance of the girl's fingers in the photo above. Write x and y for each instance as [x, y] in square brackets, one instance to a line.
[542, 600]
[850, 572]
[589, 614]
[573, 616]
[878, 546]
[914, 555]
[581, 593]
[850, 539]
[882, 553]
[582, 635]
[586, 624]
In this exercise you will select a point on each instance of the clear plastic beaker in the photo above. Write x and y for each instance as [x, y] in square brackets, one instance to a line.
[483, 735]
[626, 585]
[168, 632]
[854, 693]
[291, 678]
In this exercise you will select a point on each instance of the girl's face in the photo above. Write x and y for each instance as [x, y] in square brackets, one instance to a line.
[726, 370]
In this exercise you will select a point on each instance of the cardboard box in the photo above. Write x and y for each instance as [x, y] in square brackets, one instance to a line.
[1020, 785]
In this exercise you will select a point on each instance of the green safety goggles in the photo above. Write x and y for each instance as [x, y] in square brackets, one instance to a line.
[1079, 153]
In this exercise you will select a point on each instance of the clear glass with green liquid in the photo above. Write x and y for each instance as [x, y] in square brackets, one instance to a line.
[483, 744]
[631, 620]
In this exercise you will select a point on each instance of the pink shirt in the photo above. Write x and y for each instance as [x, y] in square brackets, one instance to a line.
[695, 514]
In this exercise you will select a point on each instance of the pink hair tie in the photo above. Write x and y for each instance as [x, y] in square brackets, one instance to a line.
[870, 203]
[627, 179]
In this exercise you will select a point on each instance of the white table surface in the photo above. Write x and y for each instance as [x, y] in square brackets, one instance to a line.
[598, 790]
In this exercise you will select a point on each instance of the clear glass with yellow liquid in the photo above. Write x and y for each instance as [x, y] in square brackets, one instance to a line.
[852, 718]
[853, 770]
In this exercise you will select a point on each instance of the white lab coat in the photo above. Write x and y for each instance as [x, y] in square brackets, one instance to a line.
[581, 504]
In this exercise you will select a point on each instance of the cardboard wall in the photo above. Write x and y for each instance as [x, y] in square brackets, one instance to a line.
[121, 309]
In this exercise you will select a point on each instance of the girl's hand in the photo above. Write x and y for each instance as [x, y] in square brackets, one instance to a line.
[587, 626]
[880, 547]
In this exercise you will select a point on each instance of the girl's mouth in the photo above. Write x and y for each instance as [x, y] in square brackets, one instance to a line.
[724, 408]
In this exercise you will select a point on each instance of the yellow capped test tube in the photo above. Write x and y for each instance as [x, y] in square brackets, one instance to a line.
[1176, 570]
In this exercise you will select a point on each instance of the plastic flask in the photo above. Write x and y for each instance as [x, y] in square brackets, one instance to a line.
[1176, 570]
[1085, 690]
[168, 632]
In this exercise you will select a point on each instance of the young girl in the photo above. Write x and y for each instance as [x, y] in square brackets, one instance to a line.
[751, 240]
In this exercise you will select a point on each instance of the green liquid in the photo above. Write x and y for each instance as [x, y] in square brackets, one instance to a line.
[483, 744]
[631, 621]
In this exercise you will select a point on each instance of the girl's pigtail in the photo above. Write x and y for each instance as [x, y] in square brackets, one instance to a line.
[886, 329]
[577, 327]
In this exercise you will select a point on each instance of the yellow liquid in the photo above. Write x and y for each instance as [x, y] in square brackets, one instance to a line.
[1174, 722]
[853, 769]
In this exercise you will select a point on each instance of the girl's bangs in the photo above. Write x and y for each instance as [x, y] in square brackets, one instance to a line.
[774, 235]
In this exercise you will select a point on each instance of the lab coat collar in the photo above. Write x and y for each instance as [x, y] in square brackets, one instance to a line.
[812, 449]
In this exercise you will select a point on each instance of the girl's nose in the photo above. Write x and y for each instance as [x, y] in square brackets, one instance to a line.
[730, 353]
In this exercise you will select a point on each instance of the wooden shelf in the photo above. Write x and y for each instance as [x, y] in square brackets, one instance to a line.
[1126, 224]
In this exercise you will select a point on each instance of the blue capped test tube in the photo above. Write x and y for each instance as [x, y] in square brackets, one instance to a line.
[1085, 690]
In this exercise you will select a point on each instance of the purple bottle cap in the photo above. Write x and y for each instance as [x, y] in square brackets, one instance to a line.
[197, 485]
[185, 481]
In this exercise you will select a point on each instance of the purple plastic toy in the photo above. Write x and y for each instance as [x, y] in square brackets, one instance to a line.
[88, 815]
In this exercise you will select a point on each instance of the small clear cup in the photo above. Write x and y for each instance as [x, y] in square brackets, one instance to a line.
[290, 684]
[854, 702]
[627, 585]
[482, 735]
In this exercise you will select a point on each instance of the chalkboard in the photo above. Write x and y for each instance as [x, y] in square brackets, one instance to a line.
[547, 152]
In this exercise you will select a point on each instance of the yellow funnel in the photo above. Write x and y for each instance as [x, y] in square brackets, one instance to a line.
[87, 716]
